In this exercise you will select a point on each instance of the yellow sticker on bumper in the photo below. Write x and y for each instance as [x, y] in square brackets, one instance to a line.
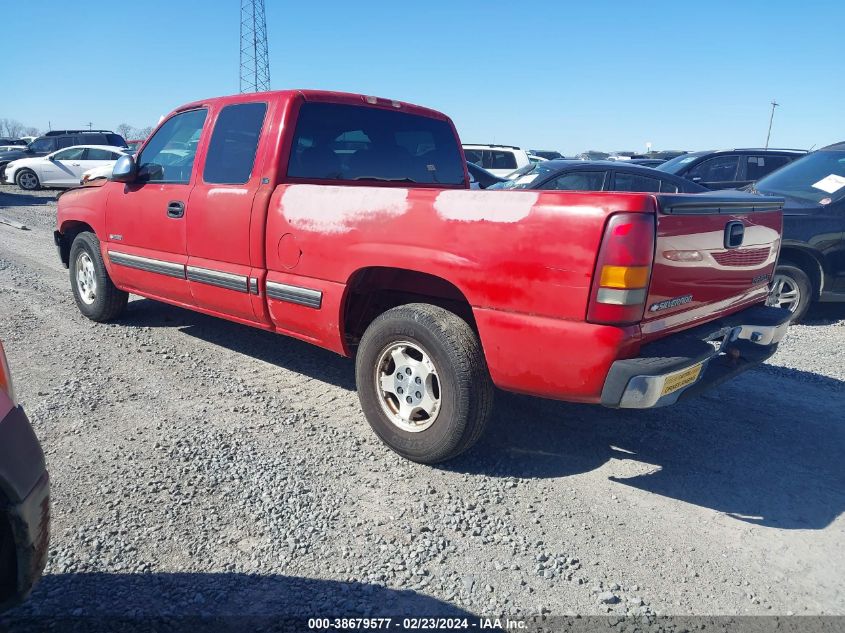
[681, 379]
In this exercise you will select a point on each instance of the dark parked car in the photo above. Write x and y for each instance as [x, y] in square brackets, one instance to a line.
[647, 162]
[59, 139]
[4, 140]
[24, 498]
[545, 153]
[597, 175]
[480, 178]
[812, 257]
[729, 168]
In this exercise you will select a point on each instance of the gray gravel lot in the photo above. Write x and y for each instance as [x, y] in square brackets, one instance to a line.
[200, 466]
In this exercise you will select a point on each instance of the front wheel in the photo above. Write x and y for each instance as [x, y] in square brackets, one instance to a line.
[27, 179]
[791, 289]
[423, 382]
[95, 294]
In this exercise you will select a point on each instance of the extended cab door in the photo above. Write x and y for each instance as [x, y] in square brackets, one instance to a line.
[145, 220]
[219, 266]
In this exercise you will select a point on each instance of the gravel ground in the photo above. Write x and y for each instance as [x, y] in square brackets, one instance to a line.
[200, 466]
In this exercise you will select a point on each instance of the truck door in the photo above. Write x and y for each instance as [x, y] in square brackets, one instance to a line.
[145, 220]
[219, 268]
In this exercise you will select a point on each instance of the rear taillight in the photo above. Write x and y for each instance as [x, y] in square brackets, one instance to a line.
[623, 269]
[6, 376]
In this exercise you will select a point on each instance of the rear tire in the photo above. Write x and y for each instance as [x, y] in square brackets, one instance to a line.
[439, 369]
[27, 179]
[95, 294]
[791, 289]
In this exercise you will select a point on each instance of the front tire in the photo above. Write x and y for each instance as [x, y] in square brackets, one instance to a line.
[95, 294]
[27, 179]
[423, 382]
[791, 289]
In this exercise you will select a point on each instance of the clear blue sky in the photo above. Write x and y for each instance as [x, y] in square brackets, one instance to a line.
[548, 75]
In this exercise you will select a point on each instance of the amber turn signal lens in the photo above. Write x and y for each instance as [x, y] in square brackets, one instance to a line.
[624, 277]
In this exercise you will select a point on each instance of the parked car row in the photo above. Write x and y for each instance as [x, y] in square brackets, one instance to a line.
[812, 258]
[56, 140]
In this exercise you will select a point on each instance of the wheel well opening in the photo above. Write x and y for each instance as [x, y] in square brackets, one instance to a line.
[372, 291]
[70, 230]
[806, 262]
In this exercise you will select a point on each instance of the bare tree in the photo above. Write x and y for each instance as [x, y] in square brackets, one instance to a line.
[11, 128]
[144, 132]
[31, 131]
[125, 130]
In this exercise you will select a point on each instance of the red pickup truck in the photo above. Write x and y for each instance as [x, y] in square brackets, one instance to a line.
[347, 221]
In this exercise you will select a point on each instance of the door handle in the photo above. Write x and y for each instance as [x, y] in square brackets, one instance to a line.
[175, 209]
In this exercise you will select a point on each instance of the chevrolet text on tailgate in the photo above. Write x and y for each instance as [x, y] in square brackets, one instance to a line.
[347, 221]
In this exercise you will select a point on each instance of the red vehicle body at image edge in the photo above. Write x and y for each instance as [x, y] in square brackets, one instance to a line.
[347, 221]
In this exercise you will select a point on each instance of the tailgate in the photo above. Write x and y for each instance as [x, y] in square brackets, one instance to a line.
[714, 254]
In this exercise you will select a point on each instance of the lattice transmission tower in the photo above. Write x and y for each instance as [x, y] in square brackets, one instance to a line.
[255, 62]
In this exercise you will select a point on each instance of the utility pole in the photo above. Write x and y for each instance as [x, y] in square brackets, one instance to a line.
[254, 60]
[771, 118]
[90, 126]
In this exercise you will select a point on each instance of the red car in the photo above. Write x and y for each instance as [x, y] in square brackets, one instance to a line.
[347, 221]
[24, 498]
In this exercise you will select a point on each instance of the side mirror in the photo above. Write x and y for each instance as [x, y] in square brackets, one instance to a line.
[125, 169]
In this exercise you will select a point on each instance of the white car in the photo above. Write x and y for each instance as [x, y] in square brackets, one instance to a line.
[103, 171]
[63, 168]
[499, 160]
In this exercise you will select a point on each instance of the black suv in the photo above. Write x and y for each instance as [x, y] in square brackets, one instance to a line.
[59, 139]
[729, 168]
[812, 256]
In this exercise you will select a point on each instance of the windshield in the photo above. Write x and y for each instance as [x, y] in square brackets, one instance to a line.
[813, 178]
[678, 163]
[525, 176]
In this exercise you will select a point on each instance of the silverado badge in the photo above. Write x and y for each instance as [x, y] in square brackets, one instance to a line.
[669, 303]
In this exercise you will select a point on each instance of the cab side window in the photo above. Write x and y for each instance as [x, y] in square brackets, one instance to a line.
[169, 155]
[231, 153]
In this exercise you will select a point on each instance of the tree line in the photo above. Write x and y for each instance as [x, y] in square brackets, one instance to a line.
[12, 128]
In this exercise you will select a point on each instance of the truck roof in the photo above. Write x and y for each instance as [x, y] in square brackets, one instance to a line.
[320, 95]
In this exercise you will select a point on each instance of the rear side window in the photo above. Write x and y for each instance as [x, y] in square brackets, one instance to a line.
[719, 169]
[101, 154]
[356, 143]
[473, 156]
[758, 166]
[116, 140]
[577, 181]
[93, 139]
[668, 187]
[497, 159]
[635, 182]
[231, 153]
[68, 141]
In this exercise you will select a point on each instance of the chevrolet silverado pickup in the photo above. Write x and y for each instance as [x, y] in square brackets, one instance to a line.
[347, 221]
